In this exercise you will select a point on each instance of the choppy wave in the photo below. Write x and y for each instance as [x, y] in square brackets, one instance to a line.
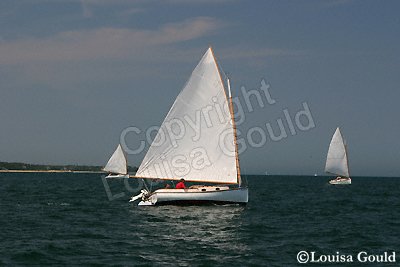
[68, 220]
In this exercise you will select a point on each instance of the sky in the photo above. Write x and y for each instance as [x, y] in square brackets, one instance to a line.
[75, 73]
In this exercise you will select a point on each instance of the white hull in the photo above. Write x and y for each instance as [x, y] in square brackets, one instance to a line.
[340, 181]
[117, 176]
[198, 195]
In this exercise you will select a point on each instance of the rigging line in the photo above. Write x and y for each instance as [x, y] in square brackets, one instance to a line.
[145, 185]
[151, 184]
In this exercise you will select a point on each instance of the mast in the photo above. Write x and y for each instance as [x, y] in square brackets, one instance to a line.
[347, 159]
[231, 111]
[345, 152]
[239, 179]
[126, 162]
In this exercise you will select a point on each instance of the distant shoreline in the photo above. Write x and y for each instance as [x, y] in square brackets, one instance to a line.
[19, 167]
[48, 171]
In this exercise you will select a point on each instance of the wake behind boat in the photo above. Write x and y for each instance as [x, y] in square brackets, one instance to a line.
[207, 154]
[337, 161]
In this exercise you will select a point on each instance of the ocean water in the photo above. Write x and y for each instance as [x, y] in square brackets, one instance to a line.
[68, 219]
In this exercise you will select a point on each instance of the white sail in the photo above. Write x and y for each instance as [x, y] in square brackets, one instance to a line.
[117, 162]
[336, 161]
[188, 144]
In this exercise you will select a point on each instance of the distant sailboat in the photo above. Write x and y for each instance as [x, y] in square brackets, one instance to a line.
[117, 166]
[336, 160]
[196, 157]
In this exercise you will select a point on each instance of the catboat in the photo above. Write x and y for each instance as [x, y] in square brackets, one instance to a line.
[195, 196]
[117, 166]
[196, 142]
[337, 161]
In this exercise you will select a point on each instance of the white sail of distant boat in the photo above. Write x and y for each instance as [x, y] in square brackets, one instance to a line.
[180, 150]
[117, 165]
[336, 160]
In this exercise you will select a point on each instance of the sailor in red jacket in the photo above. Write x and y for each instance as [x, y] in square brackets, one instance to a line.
[181, 184]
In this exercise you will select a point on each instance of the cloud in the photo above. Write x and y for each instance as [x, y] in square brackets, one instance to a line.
[130, 2]
[200, 1]
[86, 4]
[104, 43]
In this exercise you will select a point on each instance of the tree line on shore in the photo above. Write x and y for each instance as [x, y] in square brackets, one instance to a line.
[37, 167]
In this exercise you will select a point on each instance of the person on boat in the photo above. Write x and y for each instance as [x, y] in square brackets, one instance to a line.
[181, 184]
